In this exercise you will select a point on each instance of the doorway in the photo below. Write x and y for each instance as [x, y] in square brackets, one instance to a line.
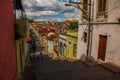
[102, 47]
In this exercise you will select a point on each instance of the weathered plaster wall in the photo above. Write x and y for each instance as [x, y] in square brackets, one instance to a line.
[113, 45]
[82, 46]
[8, 66]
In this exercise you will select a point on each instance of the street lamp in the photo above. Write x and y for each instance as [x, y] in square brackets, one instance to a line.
[77, 5]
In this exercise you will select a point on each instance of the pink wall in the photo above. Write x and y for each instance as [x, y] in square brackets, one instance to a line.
[8, 67]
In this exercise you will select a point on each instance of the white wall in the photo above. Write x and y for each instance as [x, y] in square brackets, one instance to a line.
[113, 10]
[81, 51]
[62, 38]
[113, 42]
[112, 31]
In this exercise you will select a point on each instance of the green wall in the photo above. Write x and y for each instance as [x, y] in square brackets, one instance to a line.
[50, 46]
[20, 55]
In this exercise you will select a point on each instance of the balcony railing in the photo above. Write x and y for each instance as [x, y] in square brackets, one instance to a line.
[20, 28]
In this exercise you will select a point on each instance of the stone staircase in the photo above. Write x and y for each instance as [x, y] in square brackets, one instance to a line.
[30, 72]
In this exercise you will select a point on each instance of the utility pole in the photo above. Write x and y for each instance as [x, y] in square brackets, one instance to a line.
[89, 31]
[77, 4]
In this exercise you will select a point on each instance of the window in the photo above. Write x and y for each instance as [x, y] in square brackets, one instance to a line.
[85, 37]
[85, 6]
[74, 50]
[69, 42]
[102, 11]
[101, 5]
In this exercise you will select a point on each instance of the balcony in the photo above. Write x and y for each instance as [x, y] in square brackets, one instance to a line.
[20, 28]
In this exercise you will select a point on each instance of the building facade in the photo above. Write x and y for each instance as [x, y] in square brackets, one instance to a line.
[20, 36]
[71, 44]
[104, 44]
[8, 60]
[62, 45]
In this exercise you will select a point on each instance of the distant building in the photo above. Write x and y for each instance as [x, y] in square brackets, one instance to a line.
[71, 43]
[68, 39]
[62, 45]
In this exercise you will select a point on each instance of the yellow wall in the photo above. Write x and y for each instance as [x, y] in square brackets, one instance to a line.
[71, 40]
[20, 56]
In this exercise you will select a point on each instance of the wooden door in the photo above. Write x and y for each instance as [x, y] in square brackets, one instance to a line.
[102, 47]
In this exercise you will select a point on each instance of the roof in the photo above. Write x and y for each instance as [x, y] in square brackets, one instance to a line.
[46, 31]
[51, 37]
[43, 31]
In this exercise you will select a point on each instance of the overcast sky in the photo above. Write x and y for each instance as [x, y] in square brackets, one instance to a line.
[46, 10]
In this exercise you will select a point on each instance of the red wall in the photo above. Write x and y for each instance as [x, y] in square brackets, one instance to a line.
[8, 67]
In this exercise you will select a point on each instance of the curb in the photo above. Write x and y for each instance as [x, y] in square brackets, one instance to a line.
[110, 67]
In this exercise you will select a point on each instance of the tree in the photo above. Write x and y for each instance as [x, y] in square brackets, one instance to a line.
[73, 25]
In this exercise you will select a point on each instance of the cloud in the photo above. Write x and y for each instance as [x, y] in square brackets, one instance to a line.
[46, 9]
[40, 13]
[63, 0]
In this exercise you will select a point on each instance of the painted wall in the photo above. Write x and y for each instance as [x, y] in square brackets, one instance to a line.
[56, 47]
[62, 45]
[112, 32]
[44, 42]
[8, 66]
[113, 45]
[50, 46]
[113, 10]
[20, 56]
[82, 46]
[72, 40]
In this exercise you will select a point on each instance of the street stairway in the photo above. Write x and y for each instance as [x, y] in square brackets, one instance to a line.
[29, 72]
[47, 68]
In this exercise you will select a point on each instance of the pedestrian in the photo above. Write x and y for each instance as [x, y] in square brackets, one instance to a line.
[41, 56]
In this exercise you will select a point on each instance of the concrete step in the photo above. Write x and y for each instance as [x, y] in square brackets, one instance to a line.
[111, 67]
[114, 77]
[90, 63]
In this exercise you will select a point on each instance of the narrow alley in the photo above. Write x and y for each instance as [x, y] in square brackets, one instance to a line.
[60, 40]
[50, 69]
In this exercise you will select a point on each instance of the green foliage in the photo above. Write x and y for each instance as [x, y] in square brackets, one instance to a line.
[73, 25]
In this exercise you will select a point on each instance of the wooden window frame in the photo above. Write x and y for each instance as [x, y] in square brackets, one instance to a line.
[102, 6]
[85, 6]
